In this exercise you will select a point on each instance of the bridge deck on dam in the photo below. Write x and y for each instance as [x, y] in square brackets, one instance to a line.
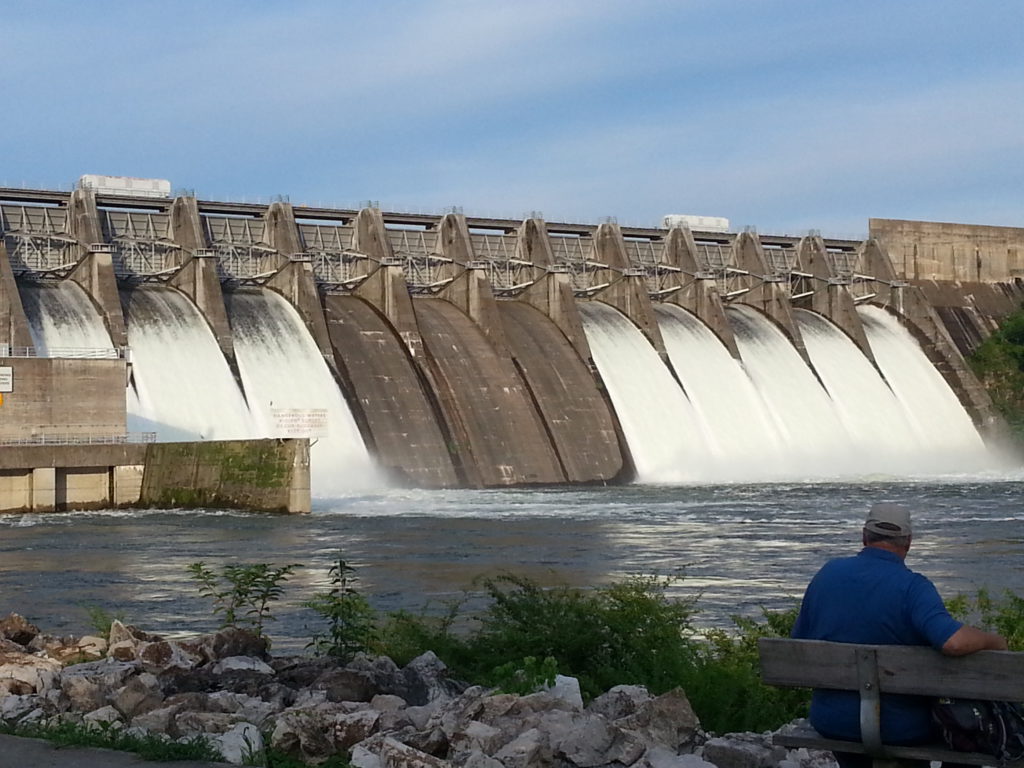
[395, 409]
[577, 416]
[485, 400]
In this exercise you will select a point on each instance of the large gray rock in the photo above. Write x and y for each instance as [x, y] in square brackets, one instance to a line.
[14, 708]
[35, 674]
[667, 720]
[140, 695]
[17, 629]
[395, 754]
[743, 750]
[241, 744]
[308, 731]
[620, 701]
[163, 655]
[590, 740]
[529, 749]
[353, 727]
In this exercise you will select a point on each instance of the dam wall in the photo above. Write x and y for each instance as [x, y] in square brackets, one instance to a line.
[261, 475]
[457, 345]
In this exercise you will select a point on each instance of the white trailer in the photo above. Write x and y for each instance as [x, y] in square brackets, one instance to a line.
[125, 185]
[699, 223]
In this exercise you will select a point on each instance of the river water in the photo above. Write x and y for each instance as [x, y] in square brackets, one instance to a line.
[739, 546]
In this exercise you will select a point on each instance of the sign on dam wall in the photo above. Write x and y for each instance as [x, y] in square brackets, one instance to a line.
[447, 352]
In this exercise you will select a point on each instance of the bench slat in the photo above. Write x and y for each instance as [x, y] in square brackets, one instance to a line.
[803, 735]
[916, 670]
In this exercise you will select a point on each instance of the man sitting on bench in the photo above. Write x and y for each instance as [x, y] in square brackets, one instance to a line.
[874, 598]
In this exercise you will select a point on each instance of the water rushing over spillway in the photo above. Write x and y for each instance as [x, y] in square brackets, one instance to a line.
[949, 439]
[283, 371]
[64, 322]
[770, 415]
[659, 423]
[183, 387]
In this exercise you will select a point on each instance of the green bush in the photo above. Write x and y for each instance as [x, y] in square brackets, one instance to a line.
[350, 619]
[242, 592]
[999, 364]
[1004, 616]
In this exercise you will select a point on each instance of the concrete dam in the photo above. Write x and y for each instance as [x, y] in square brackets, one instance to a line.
[448, 351]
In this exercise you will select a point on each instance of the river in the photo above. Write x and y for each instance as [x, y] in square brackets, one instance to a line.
[739, 547]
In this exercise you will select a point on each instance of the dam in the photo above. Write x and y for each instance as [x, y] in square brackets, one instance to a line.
[449, 351]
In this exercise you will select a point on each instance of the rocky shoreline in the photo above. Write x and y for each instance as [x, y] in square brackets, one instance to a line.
[227, 688]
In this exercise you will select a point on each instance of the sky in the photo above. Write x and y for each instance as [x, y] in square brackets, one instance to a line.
[781, 115]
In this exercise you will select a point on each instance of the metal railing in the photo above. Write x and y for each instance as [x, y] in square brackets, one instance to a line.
[89, 353]
[65, 439]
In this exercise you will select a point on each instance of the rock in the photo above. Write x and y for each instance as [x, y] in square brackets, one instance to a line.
[659, 757]
[139, 696]
[163, 655]
[246, 663]
[667, 720]
[17, 629]
[354, 727]
[84, 694]
[384, 702]
[527, 750]
[743, 750]
[36, 672]
[190, 723]
[159, 720]
[619, 702]
[567, 689]
[309, 731]
[93, 644]
[363, 757]
[478, 759]
[14, 708]
[241, 744]
[249, 708]
[592, 741]
[103, 716]
[476, 737]
[234, 641]
[123, 650]
[426, 680]
[395, 754]
[121, 632]
[346, 684]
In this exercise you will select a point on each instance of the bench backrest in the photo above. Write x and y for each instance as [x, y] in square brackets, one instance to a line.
[919, 670]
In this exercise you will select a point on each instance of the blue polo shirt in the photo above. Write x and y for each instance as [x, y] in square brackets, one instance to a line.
[873, 598]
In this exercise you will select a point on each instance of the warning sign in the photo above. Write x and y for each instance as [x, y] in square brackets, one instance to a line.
[6, 378]
[299, 422]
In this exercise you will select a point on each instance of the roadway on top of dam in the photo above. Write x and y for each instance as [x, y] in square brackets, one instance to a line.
[424, 220]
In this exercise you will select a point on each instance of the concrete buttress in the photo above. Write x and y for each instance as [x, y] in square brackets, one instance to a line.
[766, 294]
[831, 297]
[294, 279]
[698, 290]
[197, 275]
[626, 293]
[385, 288]
[95, 270]
[14, 328]
[551, 292]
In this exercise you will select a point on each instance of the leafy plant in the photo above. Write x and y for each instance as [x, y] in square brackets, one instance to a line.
[242, 592]
[526, 676]
[998, 362]
[1004, 616]
[100, 619]
[350, 617]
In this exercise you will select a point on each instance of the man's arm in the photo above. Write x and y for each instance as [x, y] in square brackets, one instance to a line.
[970, 639]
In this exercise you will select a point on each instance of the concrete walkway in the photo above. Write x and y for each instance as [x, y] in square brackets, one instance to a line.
[16, 752]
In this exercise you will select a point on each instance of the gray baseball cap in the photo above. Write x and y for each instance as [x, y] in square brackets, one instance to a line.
[887, 519]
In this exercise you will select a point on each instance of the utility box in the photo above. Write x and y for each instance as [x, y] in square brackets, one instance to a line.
[128, 186]
[700, 223]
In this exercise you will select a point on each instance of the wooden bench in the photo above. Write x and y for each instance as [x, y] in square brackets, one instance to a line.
[872, 670]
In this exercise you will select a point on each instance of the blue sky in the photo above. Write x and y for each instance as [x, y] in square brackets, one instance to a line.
[785, 116]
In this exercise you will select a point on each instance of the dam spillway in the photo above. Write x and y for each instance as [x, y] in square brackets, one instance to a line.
[450, 352]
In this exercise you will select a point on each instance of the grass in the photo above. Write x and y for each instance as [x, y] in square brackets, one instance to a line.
[150, 746]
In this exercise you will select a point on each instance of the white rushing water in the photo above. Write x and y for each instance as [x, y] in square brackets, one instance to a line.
[882, 435]
[283, 371]
[816, 441]
[746, 444]
[664, 435]
[184, 388]
[951, 442]
[64, 322]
